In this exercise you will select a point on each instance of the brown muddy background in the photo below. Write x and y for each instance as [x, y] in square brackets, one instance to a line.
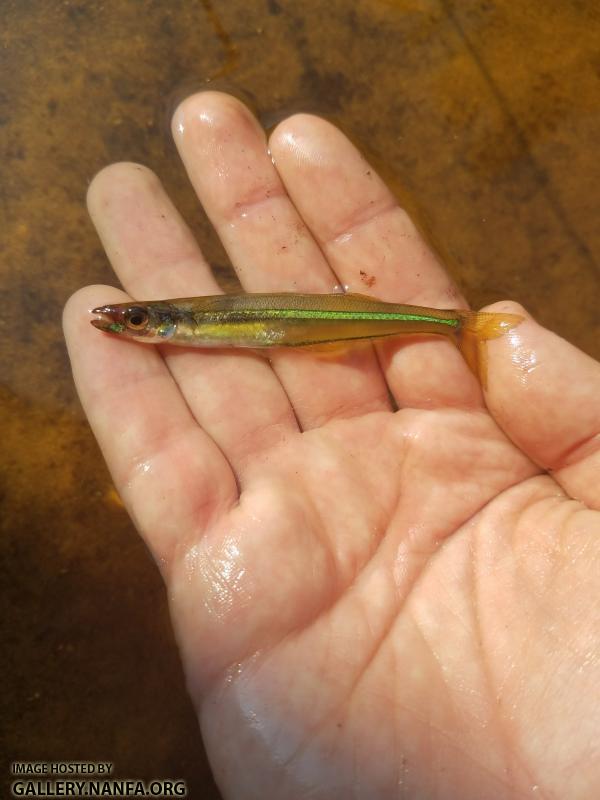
[483, 114]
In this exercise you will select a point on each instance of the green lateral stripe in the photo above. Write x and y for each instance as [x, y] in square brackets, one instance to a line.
[288, 313]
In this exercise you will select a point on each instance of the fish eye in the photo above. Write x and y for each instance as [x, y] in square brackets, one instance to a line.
[136, 318]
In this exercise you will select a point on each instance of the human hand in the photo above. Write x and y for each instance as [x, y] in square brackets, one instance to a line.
[369, 602]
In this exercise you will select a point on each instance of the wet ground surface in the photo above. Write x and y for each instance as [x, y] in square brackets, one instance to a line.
[484, 117]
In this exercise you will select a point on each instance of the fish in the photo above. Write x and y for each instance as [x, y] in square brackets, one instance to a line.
[294, 320]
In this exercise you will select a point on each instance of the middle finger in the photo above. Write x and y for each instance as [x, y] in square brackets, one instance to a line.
[225, 153]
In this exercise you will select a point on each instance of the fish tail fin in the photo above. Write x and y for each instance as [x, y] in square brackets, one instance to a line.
[476, 328]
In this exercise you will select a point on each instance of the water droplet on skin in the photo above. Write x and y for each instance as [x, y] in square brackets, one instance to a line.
[191, 561]
[341, 288]
[522, 357]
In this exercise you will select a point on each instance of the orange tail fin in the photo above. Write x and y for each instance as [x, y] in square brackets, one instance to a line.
[475, 329]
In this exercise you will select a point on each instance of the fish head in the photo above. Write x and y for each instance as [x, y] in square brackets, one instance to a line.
[147, 322]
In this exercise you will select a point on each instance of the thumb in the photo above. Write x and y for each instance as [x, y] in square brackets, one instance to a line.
[545, 394]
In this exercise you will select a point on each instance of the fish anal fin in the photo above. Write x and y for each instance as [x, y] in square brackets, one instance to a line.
[329, 349]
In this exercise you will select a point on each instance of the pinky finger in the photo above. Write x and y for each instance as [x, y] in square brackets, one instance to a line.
[170, 474]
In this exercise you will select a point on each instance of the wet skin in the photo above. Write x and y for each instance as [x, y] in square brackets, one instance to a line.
[370, 603]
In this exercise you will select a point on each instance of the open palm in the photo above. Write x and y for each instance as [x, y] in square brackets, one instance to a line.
[381, 583]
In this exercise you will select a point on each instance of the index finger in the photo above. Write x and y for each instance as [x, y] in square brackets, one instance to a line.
[171, 476]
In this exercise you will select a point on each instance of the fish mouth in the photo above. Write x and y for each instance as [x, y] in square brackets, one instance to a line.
[105, 320]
